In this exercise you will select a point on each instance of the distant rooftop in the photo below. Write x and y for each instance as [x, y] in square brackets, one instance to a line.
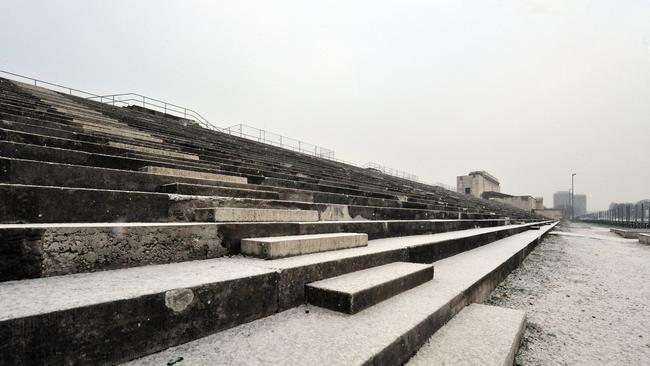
[485, 175]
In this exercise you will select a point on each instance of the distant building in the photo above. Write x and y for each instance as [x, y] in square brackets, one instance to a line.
[477, 182]
[539, 203]
[562, 201]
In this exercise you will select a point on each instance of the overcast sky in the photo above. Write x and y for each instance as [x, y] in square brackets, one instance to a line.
[530, 91]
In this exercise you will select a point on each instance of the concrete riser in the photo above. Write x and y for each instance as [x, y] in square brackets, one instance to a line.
[119, 331]
[30, 172]
[34, 253]
[407, 345]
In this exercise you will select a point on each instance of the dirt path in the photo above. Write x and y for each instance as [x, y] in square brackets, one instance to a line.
[587, 300]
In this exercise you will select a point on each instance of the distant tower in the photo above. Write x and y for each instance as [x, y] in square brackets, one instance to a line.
[477, 182]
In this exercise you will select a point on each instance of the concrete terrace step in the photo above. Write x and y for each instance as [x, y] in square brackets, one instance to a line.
[152, 151]
[478, 335]
[323, 337]
[236, 214]
[43, 250]
[114, 316]
[287, 246]
[644, 238]
[353, 292]
[193, 174]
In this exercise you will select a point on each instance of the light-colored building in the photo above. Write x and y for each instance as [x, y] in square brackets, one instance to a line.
[477, 182]
[539, 203]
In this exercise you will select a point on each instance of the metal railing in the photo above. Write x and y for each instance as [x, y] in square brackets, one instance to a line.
[65, 89]
[241, 130]
[272, 138]
[124, 99]
[128, 99]
[634, 215]
[391, 171]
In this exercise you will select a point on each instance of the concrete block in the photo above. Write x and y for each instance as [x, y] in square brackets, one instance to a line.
[193, 174]
[287, 246]
[235, 214]
[478, 335]
[353, 292]
[644, 238]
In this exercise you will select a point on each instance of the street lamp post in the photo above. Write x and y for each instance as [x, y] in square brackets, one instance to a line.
[572, 195]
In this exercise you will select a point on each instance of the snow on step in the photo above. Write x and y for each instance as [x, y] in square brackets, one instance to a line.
[193, 174]
[385, 334]
[353, 292]
[235, 214]
[288, 246]
[478, 335]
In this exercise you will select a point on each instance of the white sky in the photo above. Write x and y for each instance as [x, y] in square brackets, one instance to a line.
[527, 90]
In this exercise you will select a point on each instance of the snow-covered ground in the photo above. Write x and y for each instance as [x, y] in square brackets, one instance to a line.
[587, 300]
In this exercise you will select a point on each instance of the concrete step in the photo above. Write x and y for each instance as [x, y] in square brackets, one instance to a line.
[478, 335]
[193, 174]
[288, 246]
[388, 333]
[230, 192]
[128, 313]
[43, 250]
[33, 172]
[353, 292]
[236, 214]
[114, 316]
[152, 151]
[644, 238]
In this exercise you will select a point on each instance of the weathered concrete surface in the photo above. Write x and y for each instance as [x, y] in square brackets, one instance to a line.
[644, 238]
[40, 204]
[37, 250]
[76, 173]
[310, 335]
[353, 292]
[236, 214]
[152, 151]
[228, 192]
[114, 316]
[287, 246]
[194, 174]
[478, 335]
[48, 250]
